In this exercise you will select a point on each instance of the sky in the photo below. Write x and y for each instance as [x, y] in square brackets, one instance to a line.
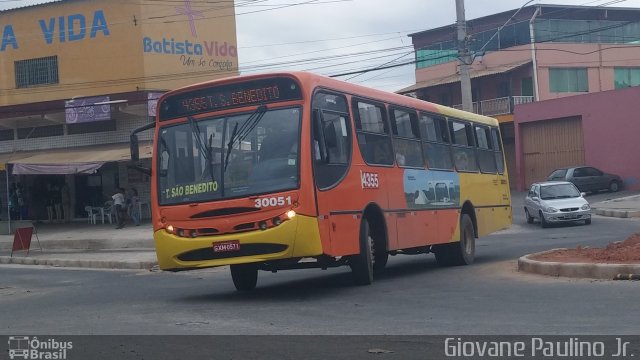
[334, 37]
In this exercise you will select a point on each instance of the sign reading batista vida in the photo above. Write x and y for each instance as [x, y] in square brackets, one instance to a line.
[229, 96]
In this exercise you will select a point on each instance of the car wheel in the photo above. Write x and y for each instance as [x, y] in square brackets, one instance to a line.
[614, 186]
[543, 222]
[529, 217]
[587, 222]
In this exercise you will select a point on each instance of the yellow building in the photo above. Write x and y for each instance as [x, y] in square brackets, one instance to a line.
[76, 76]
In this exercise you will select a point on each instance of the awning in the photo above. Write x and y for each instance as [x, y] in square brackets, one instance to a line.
[77, 160]
[449, 79]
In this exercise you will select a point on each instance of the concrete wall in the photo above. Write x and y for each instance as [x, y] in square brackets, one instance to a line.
[609, 123]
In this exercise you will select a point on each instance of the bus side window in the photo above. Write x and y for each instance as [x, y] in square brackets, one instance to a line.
[373, 133]
[486, 156]
[497, 148]
[464, 153]
[406, 138]
[435, 146]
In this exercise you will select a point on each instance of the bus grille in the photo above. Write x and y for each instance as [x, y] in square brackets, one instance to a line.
[245, 250]
[223, 212]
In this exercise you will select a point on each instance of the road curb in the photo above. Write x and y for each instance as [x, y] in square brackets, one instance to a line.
[574, 270]
[93, 264]
[617, 213]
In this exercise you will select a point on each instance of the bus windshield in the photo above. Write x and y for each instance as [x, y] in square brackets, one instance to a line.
[227, 157]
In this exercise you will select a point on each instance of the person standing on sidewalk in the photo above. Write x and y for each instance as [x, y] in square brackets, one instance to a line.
[121, 211]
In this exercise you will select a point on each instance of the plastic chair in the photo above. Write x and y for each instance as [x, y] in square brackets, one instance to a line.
[91, 215]
[107, 211]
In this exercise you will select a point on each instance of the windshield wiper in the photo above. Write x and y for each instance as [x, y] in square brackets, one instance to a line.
[238, 135]
[203, 148]
[230, 147]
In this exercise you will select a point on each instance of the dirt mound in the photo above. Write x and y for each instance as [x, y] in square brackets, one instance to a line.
[620, 252]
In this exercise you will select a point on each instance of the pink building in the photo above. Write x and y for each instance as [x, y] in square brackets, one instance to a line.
[544, 52]
[597, 129]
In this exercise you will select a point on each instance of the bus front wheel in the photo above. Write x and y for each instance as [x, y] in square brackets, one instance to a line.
[362, 263]
[245, 276]
[460, 252]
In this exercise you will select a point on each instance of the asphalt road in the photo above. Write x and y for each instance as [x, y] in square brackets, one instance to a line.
[413, 297]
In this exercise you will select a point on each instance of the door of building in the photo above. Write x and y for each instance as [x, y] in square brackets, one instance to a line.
[550, 144]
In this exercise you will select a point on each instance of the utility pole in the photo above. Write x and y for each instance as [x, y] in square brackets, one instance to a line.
[464, 56]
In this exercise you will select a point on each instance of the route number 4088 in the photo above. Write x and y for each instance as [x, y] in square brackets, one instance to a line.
[273, 201]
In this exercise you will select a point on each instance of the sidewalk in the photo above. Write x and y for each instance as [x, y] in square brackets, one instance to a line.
[85, 245]
[102, 246]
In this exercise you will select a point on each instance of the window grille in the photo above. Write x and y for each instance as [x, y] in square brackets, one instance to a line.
[34, 72]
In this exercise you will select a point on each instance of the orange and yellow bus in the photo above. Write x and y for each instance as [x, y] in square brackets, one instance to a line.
[295, 170]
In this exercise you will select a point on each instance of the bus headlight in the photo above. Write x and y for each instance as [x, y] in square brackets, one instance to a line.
[170, 229]
[291, 214]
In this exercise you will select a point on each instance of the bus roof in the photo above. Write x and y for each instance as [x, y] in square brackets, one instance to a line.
[353, 89]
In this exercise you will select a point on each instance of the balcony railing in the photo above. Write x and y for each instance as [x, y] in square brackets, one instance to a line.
[498, 106]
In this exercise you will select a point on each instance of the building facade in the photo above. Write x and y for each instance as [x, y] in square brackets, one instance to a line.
[543, 52]
[597, 129]
[76, 76]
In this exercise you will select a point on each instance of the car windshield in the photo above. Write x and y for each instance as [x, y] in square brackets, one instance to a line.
[559, 191]
[227, 157]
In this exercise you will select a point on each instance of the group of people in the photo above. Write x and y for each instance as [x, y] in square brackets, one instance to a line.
[58, 203]
[126, 205]
[17, 205]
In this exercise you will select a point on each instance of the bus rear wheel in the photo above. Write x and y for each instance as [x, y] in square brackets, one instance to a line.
[245, 276]
[362, 263]
[461, 252]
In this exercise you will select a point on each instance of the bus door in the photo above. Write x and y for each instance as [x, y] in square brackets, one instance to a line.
[338, 215]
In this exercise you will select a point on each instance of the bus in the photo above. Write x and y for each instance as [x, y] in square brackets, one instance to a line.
[295, 170]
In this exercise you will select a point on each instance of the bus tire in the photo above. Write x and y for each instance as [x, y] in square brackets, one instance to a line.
[362, 263]
[380, 257]
[245, 276]
[460, 252]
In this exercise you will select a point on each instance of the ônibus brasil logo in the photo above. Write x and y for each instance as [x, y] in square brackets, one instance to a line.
[32, 348]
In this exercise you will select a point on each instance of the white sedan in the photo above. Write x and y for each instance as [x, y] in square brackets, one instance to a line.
[554, 202]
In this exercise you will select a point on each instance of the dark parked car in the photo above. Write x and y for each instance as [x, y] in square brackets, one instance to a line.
[587, 178]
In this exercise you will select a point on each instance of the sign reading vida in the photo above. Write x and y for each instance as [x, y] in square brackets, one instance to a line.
[32, 348]
[75, 27]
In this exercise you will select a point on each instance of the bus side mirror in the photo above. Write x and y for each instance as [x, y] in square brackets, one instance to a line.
[134, 146]
[135, 150]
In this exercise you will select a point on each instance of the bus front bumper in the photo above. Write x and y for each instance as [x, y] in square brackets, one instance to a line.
[295, 238]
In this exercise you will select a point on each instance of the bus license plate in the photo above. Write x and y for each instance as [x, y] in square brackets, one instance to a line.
[226, 246]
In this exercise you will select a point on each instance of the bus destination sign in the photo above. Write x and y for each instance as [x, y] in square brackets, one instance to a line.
[215, 98]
